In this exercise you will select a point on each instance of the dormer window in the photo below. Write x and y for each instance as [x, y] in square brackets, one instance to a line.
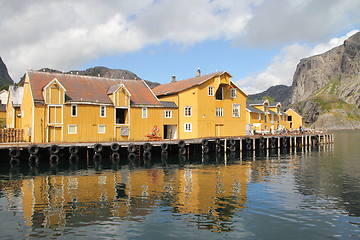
[219, 94]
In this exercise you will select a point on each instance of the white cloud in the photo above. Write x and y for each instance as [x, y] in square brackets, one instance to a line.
[64, 34]
[282, 67]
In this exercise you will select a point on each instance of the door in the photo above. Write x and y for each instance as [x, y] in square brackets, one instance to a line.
[219, 128]
[55, 134]
[170, 132]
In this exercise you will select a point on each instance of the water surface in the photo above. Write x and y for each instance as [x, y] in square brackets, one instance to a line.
[300, 194]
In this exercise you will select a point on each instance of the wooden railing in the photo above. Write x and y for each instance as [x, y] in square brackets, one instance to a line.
[11, 135]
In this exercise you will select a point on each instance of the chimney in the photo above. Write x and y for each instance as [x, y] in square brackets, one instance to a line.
[198, 72]
[173, 79]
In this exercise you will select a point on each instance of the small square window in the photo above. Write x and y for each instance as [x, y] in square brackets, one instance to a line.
[187, 127]
[168, 114]
[187, 111]
[101, 128]
[72, 129]
[210, 91]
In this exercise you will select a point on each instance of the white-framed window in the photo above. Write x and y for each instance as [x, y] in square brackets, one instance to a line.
[168, 113]
[219, 112]
[101, 128]
[72, 129]
[144, 112]
[210, 91]
[187, 111]
[74, 110]
[259, 116]
[187, 127]
[102, 111]
[233, 93]
[236, 110]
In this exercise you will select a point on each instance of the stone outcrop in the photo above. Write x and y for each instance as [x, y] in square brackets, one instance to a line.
[5, 78]
[326, 87]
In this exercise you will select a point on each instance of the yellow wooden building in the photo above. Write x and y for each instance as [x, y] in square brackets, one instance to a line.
[209, 106]
[72, 108]
[266, 117]
[295, 120]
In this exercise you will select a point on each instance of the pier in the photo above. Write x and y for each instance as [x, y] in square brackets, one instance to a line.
[52, 152]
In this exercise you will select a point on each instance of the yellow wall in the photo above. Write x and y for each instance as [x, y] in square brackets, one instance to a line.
[297, 120]
[27, 107]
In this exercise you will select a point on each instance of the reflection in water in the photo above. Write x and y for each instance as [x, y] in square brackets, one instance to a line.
[263, 195]
[75, 196]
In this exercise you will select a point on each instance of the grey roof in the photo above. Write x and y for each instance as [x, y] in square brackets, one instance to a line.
[253, 109]
[16, 93]
[272, 113]
[167, 104]
[256, 102]
[274, 104]
[283, 113]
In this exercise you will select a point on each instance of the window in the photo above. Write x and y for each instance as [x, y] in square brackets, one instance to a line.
[144, 112]
[233, 93]
[266, 118]
[259, 116]
[168, 114]
[74, 110]
[102, 111]
[210, 91]
[121, 115]
[187, 127]
[187, 111]
[219, 112]
[101, 128]
[289, 118]
[72, 129]
[236, 110]
[219, 94]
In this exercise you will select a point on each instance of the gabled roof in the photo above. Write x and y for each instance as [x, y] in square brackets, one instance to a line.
[272, 113]
[257, 102]
[90, 89]
[293, 111]
[16, 95]
[253, 109]
[275, 104]
[175, 87]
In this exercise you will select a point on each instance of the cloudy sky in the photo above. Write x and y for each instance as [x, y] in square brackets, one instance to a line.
[259, 42]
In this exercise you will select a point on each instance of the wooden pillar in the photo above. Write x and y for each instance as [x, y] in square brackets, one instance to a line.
[254, 144]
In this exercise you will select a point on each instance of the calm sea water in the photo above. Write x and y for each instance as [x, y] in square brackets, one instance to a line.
[312, 194]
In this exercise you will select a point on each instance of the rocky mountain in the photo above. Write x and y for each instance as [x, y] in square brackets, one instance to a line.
[5, 79]
[280, 93]
[104, 72]
[326, 87]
